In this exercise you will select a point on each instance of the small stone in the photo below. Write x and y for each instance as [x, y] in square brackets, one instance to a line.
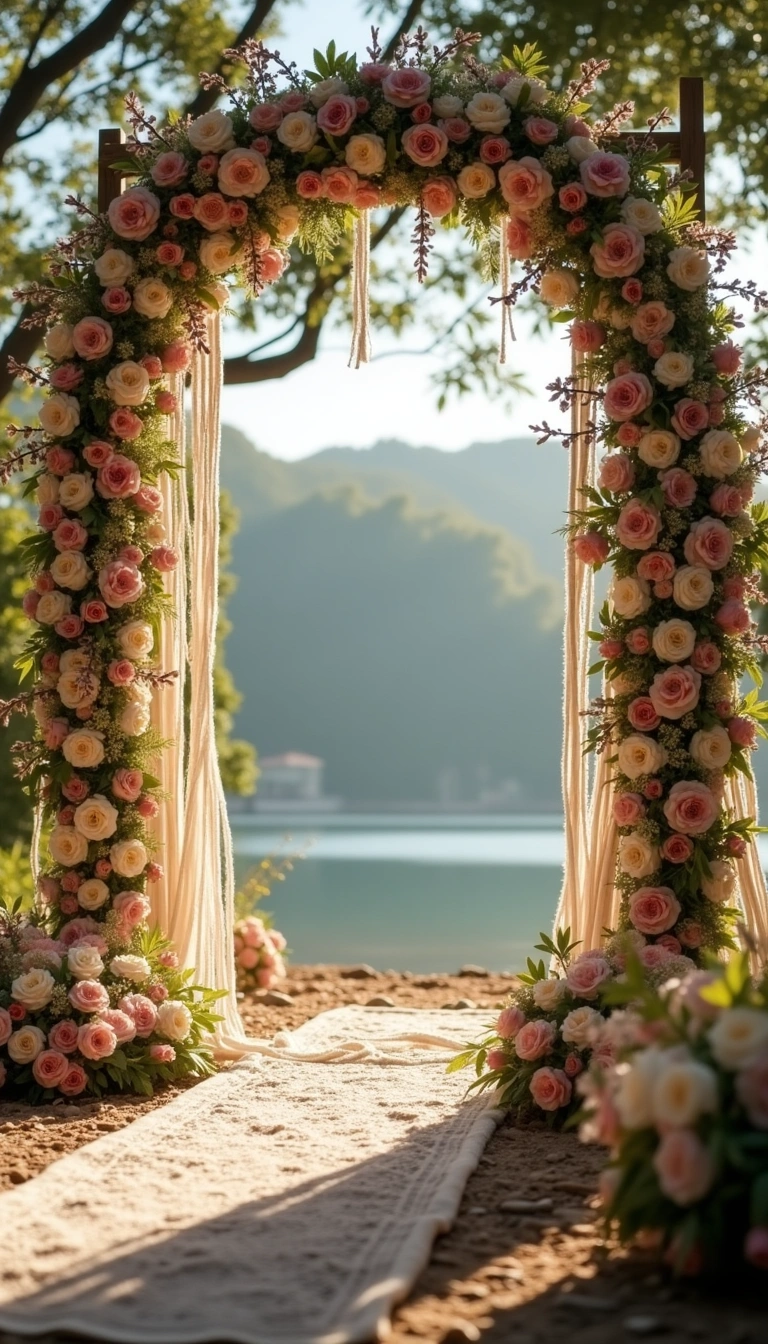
[361, 972]
[526, 1205]
[644, 1325]
[461, 1331]
[576, 1187]
[275, 999]
[380, 1001]
[460, 1004]
[470, 1290]
[17, 1177]
[478, 971]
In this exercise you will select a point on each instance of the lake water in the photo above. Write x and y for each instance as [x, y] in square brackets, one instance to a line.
[414, 893]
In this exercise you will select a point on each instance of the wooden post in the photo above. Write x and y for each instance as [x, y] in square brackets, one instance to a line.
[693, 140]
[110, 180]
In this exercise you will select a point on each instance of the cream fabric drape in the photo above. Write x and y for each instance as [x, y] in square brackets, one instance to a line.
[741, 798]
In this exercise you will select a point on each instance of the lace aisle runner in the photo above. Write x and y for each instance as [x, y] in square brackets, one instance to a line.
[282, 1202]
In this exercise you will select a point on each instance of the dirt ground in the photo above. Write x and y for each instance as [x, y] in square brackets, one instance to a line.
[530, 1276]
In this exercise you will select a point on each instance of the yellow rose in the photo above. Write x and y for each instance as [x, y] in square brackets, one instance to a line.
[673, 369]
[219, 252]
[635, 1089]
[288, 221]
[721, 453]
[47, 491]
[673, 640]
[641, 214]
[682, 1092]
[58, 341]
[84, 963]
[298, 132]
[113, 267]
[630, 596]
[33, 990]
[476, 180]
[129, 967]
[721, 885]
[637, 856]
[78, 689]
[174, 1020]
[711, 748]
[579, 1025]
[488, 112]
[547, 994]
[558, 288]
[211, 133]
[739, 1036]
[688, 268]
[135, 639]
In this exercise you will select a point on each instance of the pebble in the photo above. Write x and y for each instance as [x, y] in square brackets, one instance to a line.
[17, 1177]
[361, 972]
[478, 971]
[526, 1205]
[275, 999]
[461, 1331]
[644, 1325]
[380, 1001]
[460, 1004]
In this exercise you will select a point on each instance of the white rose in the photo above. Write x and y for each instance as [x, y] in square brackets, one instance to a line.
[60, 414]
[96, 818]
[580, 147]
[67, 846]
[637, 856]
[92, 894]
[579, 1025]
[640, 755]
[673, 369]
[84, 963]
[659, 448]
[287, 221]
[52, 607]
[74, 660]
[325, 89]
[488, 112]
[76, 491]
[688, 268]
[83, 748]
[47, 491]
[711, 748]
[537, 92]
[211, 133]
[25, 1045]
[220, 292]
[692, 587]
[58, 341]
[135, 715]
[634, 1093]
[721, 453]
[128, 858]
[682, 1092]
[558, 288]
[129, 967]
[77, 689]
[739, 1036]
[673, 641]
[33, 990]
[750, 439]
[298, 132]
[547, 994]
[641, 214]
[135, 639]
[152, 298]
[174, 1020]
[447, 105]
[475, 180]
[630, 596]
[219, 252]
[114, 266]
[70, 570]
[128, 383]
[366, 154]
[722, 884]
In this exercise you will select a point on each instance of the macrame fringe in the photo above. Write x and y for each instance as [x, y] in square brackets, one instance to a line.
[507, 329]
[360, 353]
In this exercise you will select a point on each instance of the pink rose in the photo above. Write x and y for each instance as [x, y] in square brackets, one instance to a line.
[169, 169]
[120, 583]
[88, 996]
[49, 518]
[632, 291]
[752, 1091]
[535, 1039]
[587, 337]
[709, 543]
[66, 378]
[733, 617]
[509, 1022]
[620, 252]
[495, 149]
[573, 1066]
[30, 602]
[407, 87]
[127, 784]
[92, 337]
[142, 1010]
[154, 872]
[577, 126]
[591, 548]
[134, 214]
[121, 671]
[550, 1089]
[756, 1246]
[540, 130]
[656, 348]
[336, 116]
[148, 807]
[63, 1036]
[367, 196]
[75, 1081]
[653, 910]
[684, 1167]
[266, 116]
[125, 424]
[656, 567]
[525, 185]
[457, 129]
[207, 164]
[153, 366]
[627, 396]
[50, 1068]
[495, 1059]
[690, 933]
[638, 525]
[677, 848]
[339, 184]
[6, 1025]
[726, 499]
[690, 417]
[617, 473]
[628, 808]
[98, 453]
[273, 263]
[96, 1040]
[55, 732]
[119, 478]
[122, 1025]
[59, 460]
[439, 196]
[642, 714]
[706, 657]
[50, 662]
[309, 185]
[183, 206]
[586, 974]
[169, 254]
[116, 299]
[675, 691]
[212, 211]
[248, 958]
[678, 487]
[691, 807]
[727, 358]
[162, 1053]
[742, 731]
[373, 72]
[670, 942]
[572, 197]
[133, 554]
[71, 627]
[519, 238]
[610, 648]
[93, 612]
[605, 174]
[132, 907]
[176, 357]
[425, 146]
[166, 402]
[653, 955]
[68, 905]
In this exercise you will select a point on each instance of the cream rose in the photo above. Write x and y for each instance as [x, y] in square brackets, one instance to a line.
[70, 570]
[739, 1036]
[78, 689]
[129, 967]
[721, 453]
[688, 268]
[682, 1092]
[92, 894]
[488, 112]
[447, 105]
[84, 962]
[76, 491]
[547, 994]
[60, 415]
[673, 369]
[47, 491]
[287, 221]
[559, 288]
[128, 383]
[721, 885]
[692, 587]
[25, 1045]
[673, 641]
[630, 596]
[640, 755]
[114, 266]
[580, 147]
[96, 818]
[128, 857]
[174, 1020]
[325, 89]
[537, 92]
[711, 748]
[151, 298]
[366, 154]
[211, 133]
[33, 990]
[475, 180]
[637, 856]
[579, 1025]
[83, 748]
[220, 252]
[298, 132]
[135, 715]
[643, 215]
[58, 341]
[634, 1094]
[67, 847]
[659, 448]
[53, 607]
[135, 639]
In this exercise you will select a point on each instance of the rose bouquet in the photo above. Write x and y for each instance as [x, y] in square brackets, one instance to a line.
[546, 1034]
[258, 953]
[684, 1110]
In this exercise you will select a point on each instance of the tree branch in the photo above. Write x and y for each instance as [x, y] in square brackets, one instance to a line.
[32, 84]
[19, 344]
[411, 14]
[204, 99]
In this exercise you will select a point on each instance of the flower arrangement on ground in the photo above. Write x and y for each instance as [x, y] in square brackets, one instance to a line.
[549, 1029]
[258, 953]
[684, 1110]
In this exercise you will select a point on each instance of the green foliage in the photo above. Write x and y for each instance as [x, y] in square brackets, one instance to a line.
[259, 883]
[17, 889]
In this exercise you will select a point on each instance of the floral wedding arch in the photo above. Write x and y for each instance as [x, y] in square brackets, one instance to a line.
[123, 566]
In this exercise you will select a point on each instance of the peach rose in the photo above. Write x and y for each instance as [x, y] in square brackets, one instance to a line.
[169, 169]
[519, 238]
[243, 172]
[690, 418]
[550, 1089]
[425, 145]
[691, 807]
[407, 87]
[684, 1166]
[509, 1022]
[336, 116]
[617, 473]
[475, 180]
[63, 1036]
[638, 525]
[678, 487]
[525, 184]
[119, 478]
[339, 184]
[653, 910]
[132, 907]
[439, 196]
[88, 996]
[586, 974]
[540, 131]
[92, 337]
[651, 321]
[127, 784]
[688, 268]
[134, 214]
[535, 1039]
[96, 1040]
[656, 567]
[642, 715]
[732, 617]
[675, 691]
[620, 252]
[587, 337]
[627, 396]
[640, 755]
[692, 587]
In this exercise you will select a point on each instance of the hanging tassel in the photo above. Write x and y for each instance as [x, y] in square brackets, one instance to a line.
[507, 329]
[360, 352]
